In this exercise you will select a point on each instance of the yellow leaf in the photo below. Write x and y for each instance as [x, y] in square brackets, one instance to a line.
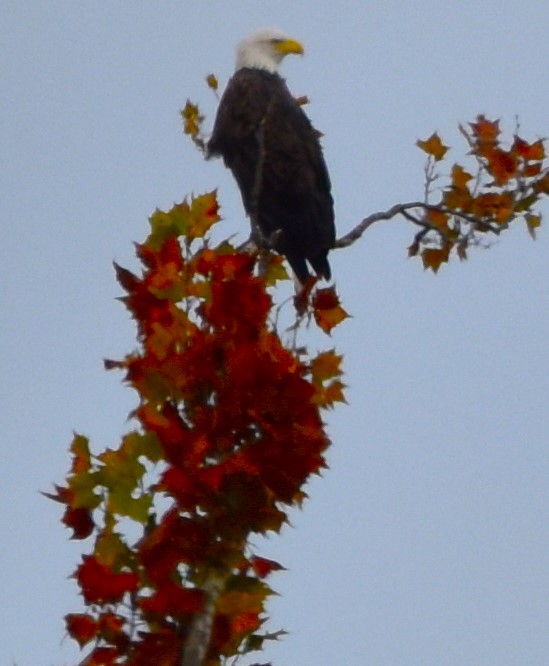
[325, 366]
[192, 119]
[533, 222]
[204, 213]
[212, 82]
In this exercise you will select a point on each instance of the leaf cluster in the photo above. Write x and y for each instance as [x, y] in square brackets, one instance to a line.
[506, 184]
[228, 432]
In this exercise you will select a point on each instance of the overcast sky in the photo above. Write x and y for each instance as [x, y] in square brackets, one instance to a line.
[426, 543]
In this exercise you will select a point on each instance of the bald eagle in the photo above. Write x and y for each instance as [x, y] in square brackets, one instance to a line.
[274, 153]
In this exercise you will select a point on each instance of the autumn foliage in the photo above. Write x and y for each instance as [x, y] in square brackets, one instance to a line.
[228, 425]
[228, 430]
[505, 183]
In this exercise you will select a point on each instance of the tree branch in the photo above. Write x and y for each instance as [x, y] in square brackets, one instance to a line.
[403, 209]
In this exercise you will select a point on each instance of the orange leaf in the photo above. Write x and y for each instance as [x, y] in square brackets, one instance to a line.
[327, 310]
[529, 151]
[80, 450]
[486, 132]
[460, 177]
[438, 219]
[433, 258]
[433, 146]
[501, 165]
[493, 205]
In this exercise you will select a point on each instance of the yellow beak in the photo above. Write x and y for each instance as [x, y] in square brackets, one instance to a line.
[289, 46]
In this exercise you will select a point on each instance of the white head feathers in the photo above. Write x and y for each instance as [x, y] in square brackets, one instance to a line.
[265, 49]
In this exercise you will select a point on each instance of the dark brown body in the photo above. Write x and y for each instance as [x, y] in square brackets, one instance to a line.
[274, 152]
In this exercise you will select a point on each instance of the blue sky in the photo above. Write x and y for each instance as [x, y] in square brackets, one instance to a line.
[426, 543]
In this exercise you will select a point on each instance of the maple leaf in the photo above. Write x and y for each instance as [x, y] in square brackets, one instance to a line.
[438, 219]
[433, 146]
[161, 648]
[111, 630]
[325, 366]
[325, 396]
[172, 599]
[80, 449]
[111, 551]
[168, 224]
[529, 151]
[212, 82]
[493, 205]
[204, 214]
[99, 584]
[80, 521]
[413, 249]
[533, 222]
[433, 258]
[327, 309]
[460, 177]
[263, 566]
[485, 132]
[192, 119]
[103, 656]
[542, 185]
[83, 628]
[502, 165]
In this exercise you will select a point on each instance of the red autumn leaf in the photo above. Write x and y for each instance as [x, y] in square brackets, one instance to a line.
[175, 540]
[172, 599]
[103, 656]
[161, 648]
[433, 146]
[263, 567]
[245, 623]
[111, 629]
[327, 309]
[80, 521]
[99, 584]
[83, 628]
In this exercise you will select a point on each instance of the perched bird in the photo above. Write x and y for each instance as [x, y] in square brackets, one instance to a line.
[274, 153]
